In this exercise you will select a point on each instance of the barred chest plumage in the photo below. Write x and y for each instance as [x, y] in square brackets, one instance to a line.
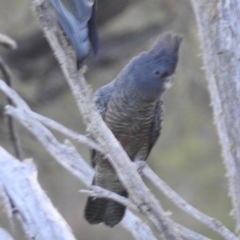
[131, 123]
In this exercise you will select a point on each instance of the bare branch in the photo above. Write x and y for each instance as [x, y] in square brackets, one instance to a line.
[11, 126]
[7, 42]
[99, 192]
[65, 154]
[67, 132]
[19, 102]
[37, 215]
[189, 234]
[115, 153]
[211, 223]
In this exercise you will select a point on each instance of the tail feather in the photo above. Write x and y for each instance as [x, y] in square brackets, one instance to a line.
[103, 210]
[95, 209]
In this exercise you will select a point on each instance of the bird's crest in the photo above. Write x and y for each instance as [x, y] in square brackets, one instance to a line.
[168, 42]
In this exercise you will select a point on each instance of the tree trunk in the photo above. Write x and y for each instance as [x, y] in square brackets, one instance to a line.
[218, 23]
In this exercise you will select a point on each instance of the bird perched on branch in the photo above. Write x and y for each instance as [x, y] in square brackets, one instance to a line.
[131, 107]
[77, 19]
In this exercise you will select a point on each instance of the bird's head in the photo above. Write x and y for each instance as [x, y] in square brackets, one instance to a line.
[152, 72]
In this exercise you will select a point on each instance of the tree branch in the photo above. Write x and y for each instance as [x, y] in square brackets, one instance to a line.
[37, 215]
[67, 132]
[7, 42]
[189, 234]
[99, 192]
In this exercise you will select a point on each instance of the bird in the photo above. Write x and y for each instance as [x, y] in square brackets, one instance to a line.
[77, 19]
[132, 108]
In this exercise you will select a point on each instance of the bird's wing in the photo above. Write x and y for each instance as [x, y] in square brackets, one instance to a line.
[77, 19]
[157, 125]
[153, 134]
[101, 99]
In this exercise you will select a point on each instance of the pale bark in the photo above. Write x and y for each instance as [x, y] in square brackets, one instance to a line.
[28, 202]
[218, 24]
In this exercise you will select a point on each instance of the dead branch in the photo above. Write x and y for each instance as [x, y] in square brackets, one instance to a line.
[7, 42]
[37, 215]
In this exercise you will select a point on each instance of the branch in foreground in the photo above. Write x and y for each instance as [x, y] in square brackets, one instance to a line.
[141, 195]
[132, 223]
[7, 42]
[37, 215]
[99, 192]
[67, 132]
[65, 154]
[21, 104]
[4, 235]
[211, 223]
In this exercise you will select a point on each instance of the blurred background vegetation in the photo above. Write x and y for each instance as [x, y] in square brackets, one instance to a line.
[187, 155]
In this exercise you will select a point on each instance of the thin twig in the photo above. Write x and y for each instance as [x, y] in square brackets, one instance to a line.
[211, 223]
[99, 192]
[189, 234]
[20, 103]
[66, 131]
[15, 139]
[7, 42]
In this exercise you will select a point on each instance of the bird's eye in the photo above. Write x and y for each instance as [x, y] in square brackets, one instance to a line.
[157, 72]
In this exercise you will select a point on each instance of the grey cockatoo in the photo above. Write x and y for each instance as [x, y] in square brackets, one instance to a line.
[77, 19]
[131, 107]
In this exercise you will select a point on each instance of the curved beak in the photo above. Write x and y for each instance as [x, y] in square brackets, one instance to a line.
[168, 82]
